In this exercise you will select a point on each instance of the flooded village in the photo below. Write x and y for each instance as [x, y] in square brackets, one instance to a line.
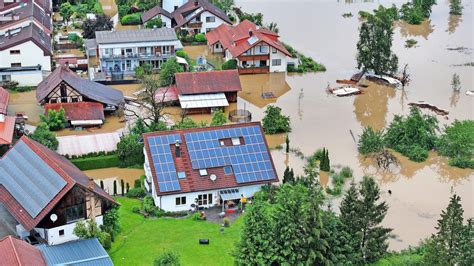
[414, 192]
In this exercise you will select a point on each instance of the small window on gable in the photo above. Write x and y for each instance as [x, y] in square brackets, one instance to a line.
[202, 172]
[228, 170]
[181, 175]
[274, 50]
[236, 141]
[74, 99]
[61, 232]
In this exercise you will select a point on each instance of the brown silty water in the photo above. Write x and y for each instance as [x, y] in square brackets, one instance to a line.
[317, 28]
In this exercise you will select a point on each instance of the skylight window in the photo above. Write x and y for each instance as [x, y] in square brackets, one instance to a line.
[202, 172]
[252, 40]
[236, 141]
[181, 175]
[228, 170]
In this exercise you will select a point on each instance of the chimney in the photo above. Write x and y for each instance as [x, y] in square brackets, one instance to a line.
[250, 32]
[177, 150]
[196, 2]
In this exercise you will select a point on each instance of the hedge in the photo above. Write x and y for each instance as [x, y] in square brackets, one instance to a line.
[131, 19]
[96, 162]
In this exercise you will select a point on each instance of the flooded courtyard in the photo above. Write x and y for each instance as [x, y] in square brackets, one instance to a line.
[317, 28]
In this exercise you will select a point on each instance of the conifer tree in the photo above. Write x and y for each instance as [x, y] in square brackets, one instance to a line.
[102, 184]
[115, 187]
[448, 245]
[350, 210]
[455, 7]
[317, 244]
[256, 246]
[122, 187]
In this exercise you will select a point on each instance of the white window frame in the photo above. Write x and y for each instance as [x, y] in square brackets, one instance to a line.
[208, 19]
[203, 172]
[179, 201]
[236, 141]
[276, 60]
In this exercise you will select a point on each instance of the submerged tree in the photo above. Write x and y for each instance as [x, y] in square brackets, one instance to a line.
[456, 83]
[455, 7]
[374, 48]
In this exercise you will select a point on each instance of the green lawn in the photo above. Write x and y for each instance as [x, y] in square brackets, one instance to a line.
[142, 240]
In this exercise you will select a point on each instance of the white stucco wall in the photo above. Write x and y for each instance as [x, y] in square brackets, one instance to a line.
[210, 25]
[169, 5]
[26, 78]
[30, 55]
[278, 55]
[52, 235]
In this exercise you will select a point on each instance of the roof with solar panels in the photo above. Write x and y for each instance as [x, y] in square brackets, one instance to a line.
[209, 158]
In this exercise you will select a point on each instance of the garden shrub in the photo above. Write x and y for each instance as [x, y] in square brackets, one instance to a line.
[135, 209]
[131, 19]
[346, 172]
[99, 162]
[156, 22]
[226, 222]
[231, 64]
[168, 258]
[462, 162]
[137, 183]
[150, 208]
[130, 151]
[370, 141]
[9, 85]
[136, 193]
[200, 37]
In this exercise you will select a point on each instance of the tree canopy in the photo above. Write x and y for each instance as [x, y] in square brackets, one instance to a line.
[275, 122]
[100, 23]
[43, 135]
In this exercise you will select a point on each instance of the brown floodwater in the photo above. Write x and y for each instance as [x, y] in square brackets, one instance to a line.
[317, 28]
[108, 175]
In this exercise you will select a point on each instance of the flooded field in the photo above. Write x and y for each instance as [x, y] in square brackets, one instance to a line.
[108, 175]
[317, 28]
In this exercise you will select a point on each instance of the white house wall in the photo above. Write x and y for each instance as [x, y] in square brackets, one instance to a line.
[26, 78]
[52, 235]
[210, 25]
[30, 55]
[278, 55]
[169, 5]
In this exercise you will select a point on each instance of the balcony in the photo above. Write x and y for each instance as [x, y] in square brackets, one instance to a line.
[136, 56]
[257, 57]
[254, 70]
[195, 25]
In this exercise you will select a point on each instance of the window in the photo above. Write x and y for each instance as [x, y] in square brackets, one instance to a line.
[181, 175]
[15, 64]
[163, 24]
[61, 232]
[228, 170]
[14, 51]
[165, 49]
[276, 62]
[202, 172]
[205, 199]
[74, 213]
[6, 77]
[274, 50]
[175, 7]
[262, 49]
[180, 200]
[53, 100]
[74, 99]
[210, 19]
[236, 141]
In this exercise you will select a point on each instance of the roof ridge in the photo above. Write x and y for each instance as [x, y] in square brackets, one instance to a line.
[14, 249]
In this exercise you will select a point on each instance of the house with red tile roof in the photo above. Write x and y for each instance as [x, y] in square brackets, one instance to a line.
[14, 251]
[47, 194]
[256, 49]
[194, 16]
[79, 114]
[206, 167]
[7, 123]
[202, 92]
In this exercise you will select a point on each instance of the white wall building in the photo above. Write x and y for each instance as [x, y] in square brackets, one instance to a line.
[120, 52]
[172, 5]
[25, 55]
[206, 167]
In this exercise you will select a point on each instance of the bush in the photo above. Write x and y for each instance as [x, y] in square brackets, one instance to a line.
[226, 222]
[130, 151]
[197, 216]
[136, 193]
[44, 136]
[135, 209]
[200, 37]
[156, 22]
[168, 258]
[370, 141]
[96, 162]
[176, 214]
[462, 162]
[150, 208]
[457, 141]
[55, 120]
[346, 172]
[9, 85]
[416, 153]
[231, 64]
[274, 122]
[137, 183]
[131, 19]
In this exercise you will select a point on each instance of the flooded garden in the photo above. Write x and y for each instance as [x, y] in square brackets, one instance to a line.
[444, 44]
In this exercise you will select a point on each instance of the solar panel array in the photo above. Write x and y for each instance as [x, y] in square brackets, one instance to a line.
[162, 158]
[250, 162]
[29, 179]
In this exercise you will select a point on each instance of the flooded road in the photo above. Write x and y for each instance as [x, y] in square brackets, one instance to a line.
[317, 28]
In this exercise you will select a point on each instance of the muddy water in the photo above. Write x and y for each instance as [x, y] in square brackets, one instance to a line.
[201, 50]
[317, 28]
[108, 175]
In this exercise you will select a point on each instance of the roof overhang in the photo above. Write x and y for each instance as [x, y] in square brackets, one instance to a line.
[203, 100]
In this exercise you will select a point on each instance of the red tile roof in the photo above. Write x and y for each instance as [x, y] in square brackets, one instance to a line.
[4, 97]
[79, 110]
[193, 181]
[167, 94]
[14, 252]
[68, 171]
[208, 82]
[7, 128]
[235, 39]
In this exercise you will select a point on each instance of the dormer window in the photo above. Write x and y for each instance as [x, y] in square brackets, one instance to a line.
[202, 172]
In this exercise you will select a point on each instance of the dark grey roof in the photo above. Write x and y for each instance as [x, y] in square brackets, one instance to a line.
[155, 11]
[88, 88]
[91, 44]
[139, 35]
[29, 179]
[32, 33]
[81, 252]
[28, 10]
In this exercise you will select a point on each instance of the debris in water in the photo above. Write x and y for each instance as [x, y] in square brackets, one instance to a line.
[470, 93]
[424, 105]
[345, 90]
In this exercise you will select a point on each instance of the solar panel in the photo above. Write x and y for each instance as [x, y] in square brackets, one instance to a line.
[250, 162]
[162, 160]
[29, 179]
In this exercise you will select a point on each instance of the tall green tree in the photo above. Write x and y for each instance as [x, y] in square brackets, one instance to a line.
[43, 135]
[340, 251]
[100, 23]
[168, 70]
[374, 48]
[275, 122]
[455, 7]
[288, 176]
[130, 151]
[66, 10]
[218, 118]
[361, 214]
[316, 239]
[448, 245]
[257, 242]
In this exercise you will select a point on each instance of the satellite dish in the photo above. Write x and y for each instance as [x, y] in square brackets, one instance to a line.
[213, 177]
[53, 217]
